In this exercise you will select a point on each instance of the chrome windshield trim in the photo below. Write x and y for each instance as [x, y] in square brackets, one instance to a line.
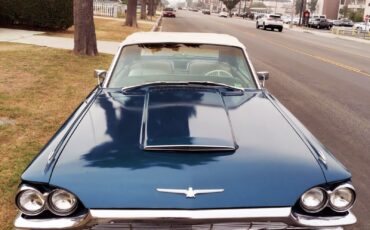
[192, 214]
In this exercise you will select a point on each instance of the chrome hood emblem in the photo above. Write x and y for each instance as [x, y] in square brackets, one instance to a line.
[190, 192]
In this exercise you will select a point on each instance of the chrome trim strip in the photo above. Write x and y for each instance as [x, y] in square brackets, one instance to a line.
[322, 157]
[211, 214]
[52, 223]
[190, 147]
[108, 216]
[333, 221]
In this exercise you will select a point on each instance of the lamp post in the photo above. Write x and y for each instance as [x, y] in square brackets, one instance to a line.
[292, 15]
[275, 5]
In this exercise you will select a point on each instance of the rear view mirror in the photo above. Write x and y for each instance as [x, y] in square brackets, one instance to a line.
[100, 75]
[263, 76]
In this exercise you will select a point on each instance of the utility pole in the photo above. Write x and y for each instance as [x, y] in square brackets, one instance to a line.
[250, 6]
[301, 12]
[292, 13]
[275, 5]
[240, 6]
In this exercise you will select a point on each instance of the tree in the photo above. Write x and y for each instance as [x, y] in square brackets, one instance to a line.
[131, 13]
[230, 4]
[189, 3]
[84, 32]
[298, 6]
[312, 5]
[143, 9]
[152, 7]
[250, 6]
[356, 15]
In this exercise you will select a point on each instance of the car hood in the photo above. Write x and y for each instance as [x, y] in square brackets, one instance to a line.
[105, 165]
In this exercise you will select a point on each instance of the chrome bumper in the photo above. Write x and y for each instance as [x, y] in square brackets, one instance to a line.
[268, 218]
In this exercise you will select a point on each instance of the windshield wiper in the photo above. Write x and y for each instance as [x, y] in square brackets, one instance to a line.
[154, 83]
[211, 83]
[166, 83]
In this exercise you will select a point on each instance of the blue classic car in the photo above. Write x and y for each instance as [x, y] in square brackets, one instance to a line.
[180, 133]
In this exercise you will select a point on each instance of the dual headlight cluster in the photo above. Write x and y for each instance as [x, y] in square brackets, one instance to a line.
[32, 202]
[341, 199]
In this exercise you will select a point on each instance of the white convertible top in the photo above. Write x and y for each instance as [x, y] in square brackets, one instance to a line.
[181, 37]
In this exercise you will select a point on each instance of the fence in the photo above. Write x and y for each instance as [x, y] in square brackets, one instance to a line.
[108, 9]
[351, 32]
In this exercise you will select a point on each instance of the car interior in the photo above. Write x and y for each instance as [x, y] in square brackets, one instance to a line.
[134, 68]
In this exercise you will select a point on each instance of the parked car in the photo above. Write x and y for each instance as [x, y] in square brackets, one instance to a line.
[169, 12]
[320, 23]
[181, 134]
[206, 11]
[343, 22]
[272, 21]
[362, 26]
[286, 19]
[223, 14]
[295, 21]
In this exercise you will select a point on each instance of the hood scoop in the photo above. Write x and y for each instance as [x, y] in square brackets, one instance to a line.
[180, 119]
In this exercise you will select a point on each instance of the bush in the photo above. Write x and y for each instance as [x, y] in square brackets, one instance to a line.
[43, 14]
[356, 16]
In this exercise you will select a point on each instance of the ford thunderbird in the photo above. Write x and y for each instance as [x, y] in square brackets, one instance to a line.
[180, 133]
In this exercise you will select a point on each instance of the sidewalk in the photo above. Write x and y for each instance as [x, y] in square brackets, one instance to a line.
[36, 38]
[150, 22]
[327, 35]
[317, 32]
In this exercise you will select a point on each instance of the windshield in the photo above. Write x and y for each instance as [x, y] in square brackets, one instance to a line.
[142, 64]
[275, 16]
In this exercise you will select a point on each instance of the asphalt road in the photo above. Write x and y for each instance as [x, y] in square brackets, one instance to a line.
[325, 82]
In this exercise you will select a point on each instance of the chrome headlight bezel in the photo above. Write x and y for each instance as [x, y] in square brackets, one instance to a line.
[329, 193]
[319, 207]
[350, 205]
[57, 211]
[22, 190]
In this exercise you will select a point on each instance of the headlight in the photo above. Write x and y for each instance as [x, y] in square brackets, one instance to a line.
[342, 198]
[30, 201]
[314, 200]
[62, 203]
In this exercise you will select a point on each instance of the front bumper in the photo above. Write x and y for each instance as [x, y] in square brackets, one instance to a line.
[257, 218]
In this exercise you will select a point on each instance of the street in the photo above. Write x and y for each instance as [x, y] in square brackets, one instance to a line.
[325, 82]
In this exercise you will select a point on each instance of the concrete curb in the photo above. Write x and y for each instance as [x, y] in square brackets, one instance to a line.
[329, 35]
[157, 24]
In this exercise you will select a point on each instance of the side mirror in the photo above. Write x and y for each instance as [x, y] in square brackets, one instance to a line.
[100, 74]
[263, 76]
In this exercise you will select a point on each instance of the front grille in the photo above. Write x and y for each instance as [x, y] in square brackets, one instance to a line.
[179, 226]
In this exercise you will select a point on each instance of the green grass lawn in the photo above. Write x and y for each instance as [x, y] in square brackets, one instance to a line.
[39, 88]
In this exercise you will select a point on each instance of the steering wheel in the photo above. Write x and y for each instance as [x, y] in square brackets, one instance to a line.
[218, 73]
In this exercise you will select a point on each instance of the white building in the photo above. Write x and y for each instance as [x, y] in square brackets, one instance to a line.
[367, 9]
